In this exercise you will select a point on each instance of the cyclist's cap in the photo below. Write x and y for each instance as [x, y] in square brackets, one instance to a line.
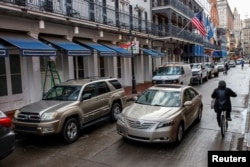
[222, 84]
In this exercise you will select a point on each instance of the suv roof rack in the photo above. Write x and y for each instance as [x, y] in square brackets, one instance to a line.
[91, 78]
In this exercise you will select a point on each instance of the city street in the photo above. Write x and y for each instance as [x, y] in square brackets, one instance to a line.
[101, 146]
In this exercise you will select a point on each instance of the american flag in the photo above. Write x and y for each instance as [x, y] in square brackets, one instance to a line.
[198, 23]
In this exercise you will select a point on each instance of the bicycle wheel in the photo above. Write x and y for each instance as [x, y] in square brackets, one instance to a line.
[222, 125]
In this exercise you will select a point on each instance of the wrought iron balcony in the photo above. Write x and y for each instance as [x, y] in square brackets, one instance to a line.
[108, 15]
[176, 4]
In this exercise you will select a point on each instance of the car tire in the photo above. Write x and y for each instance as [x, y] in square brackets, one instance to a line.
[179, 134]
[115, 110]
[199, 115]
[210, 75]
[71, 130]
[201, 80]
[206, 78]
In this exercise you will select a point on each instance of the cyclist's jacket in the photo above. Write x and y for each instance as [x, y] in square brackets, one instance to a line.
[222, 98]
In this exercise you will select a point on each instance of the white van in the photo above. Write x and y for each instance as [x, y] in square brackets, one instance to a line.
[173, 74]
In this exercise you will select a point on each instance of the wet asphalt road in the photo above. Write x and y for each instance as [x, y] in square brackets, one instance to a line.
[101, 146]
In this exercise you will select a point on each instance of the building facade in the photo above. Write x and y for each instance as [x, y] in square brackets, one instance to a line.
[91, 38]
[237, 49]
[246, 37]
[226, 25]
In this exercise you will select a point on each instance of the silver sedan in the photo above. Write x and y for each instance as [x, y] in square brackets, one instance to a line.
[161, 114]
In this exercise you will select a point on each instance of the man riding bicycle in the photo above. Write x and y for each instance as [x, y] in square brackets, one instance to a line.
[222, 96]
[242, 64]
[226, 67]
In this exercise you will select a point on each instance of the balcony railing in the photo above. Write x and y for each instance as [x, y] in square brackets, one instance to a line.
[179, 6]
[108, 15]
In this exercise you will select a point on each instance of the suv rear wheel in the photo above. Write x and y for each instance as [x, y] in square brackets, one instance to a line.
[115, 110]
[71, 130]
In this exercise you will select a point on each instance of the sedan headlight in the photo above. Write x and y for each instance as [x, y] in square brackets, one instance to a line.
[48, 116]
[121, 117]
[165, 124]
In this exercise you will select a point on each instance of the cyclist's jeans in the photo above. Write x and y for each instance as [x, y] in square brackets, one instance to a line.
[219, 113]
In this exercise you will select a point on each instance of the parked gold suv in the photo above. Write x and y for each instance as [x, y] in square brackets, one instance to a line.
[70, 106]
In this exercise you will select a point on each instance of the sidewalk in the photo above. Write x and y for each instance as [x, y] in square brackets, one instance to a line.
[246, 142]
[139, 87]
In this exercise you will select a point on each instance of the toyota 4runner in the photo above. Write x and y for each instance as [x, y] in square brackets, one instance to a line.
[70, 106]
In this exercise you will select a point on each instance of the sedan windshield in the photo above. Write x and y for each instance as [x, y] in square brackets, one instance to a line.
[68, 93]
[160, 98]
[169, 71]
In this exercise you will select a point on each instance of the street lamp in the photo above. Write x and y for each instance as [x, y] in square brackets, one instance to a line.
[134, 91]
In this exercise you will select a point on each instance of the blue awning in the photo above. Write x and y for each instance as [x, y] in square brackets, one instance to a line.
[220, 53]
[71, 48]
[121, 51]
[103, 50]
[215, 54]
[158, 52]
[27, 45]
[3, 51]
[150, 52]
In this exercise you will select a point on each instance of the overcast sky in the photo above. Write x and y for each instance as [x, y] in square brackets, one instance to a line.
[242, 7]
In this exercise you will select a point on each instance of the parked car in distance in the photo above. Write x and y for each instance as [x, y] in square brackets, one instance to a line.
[220, 66]
[238, 61]
[174, 73]
[7, 136]
[71, 106]
[161, 114]
[232, 64]
[199, 73]
[212, 70]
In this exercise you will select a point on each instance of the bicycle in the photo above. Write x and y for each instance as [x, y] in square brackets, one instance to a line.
[223, 123]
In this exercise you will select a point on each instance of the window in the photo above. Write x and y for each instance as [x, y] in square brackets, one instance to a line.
[119, 70]
[15, 72]
[89, 89]
[10, 76]
[116, 84]
[192, 93]
[78, 67]
[101, 65]
[3, 78]
[102, 88]
[186, 96]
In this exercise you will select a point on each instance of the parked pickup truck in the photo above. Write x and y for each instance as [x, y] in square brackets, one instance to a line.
[70, 106]
[212, 69]
[199, 73]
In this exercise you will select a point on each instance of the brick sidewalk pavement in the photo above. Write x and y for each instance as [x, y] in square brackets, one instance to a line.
[139, 87]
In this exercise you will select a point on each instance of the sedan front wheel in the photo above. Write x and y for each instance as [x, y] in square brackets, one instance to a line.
[180, 132]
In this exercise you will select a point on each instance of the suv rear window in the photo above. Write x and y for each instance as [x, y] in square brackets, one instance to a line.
[116, 84]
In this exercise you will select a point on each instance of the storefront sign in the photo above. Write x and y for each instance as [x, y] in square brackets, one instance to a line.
[127, 46]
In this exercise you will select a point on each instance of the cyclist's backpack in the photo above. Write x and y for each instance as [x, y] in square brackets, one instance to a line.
[222, 100]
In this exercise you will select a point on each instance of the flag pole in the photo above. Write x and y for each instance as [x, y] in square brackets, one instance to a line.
[184, 27]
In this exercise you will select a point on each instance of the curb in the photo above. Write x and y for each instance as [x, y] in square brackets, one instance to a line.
[246, 142]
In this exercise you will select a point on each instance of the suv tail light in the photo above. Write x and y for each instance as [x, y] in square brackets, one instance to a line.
[5, 122]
